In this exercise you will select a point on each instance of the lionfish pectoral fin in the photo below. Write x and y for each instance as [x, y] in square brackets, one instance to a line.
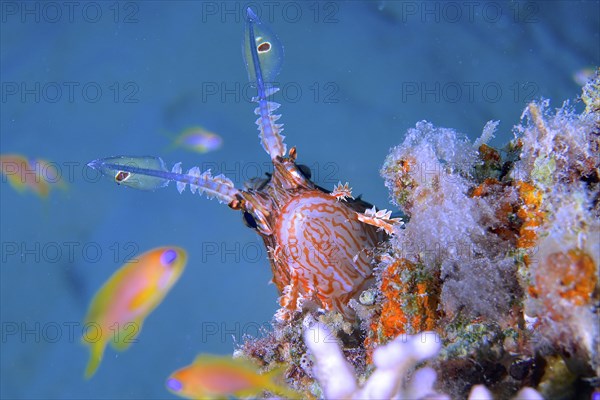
[150, 173]
[381, 219]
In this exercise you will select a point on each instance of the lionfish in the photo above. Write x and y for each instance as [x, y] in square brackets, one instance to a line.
[318, 240]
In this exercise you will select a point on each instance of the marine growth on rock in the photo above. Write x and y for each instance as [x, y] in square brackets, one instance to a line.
[498, 259]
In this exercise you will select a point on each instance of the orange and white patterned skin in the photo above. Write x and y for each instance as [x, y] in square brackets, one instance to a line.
[323, 240]
[317, 246]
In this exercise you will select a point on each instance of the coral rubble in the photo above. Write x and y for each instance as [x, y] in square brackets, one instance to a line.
[499, 257]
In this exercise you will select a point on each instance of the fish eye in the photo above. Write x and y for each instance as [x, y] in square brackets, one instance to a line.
[249, 220]
[174, 384]
[304, 170]
[122, 176]
[168, 257]
[264, 47]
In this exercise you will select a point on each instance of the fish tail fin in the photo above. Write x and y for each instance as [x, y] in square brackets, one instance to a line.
[96, 353]
[275, 382]
[127, 335]
[43, 190]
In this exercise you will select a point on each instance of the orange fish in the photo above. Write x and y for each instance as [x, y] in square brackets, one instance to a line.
[215, 377]
[37, 175]
[49, 172]
[119, 308]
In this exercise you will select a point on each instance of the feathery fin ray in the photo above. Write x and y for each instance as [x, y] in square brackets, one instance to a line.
[150, 173]
[263, 53]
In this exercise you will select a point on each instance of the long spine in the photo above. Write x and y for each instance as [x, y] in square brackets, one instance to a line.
[218, 186]
[271, 137]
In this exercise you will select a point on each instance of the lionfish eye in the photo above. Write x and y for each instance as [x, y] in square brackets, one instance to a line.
[249, 220]
[304, 170]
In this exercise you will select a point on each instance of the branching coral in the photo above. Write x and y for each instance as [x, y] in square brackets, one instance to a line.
[394, 375]
[392, 364]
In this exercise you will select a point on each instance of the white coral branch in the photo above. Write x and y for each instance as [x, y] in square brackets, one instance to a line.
[336, 376]
[392, 361]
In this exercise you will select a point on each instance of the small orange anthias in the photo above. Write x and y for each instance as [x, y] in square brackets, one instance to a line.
[318, 240]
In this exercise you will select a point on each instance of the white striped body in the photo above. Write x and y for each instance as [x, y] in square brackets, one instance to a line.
[320, 252]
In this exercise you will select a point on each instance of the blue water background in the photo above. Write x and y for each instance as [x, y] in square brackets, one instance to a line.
[347, 69]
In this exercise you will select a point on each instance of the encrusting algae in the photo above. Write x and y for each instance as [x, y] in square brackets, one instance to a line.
[409, 304]
[498, 258]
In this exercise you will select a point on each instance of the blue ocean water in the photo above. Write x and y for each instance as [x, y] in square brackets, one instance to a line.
[85, 80]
